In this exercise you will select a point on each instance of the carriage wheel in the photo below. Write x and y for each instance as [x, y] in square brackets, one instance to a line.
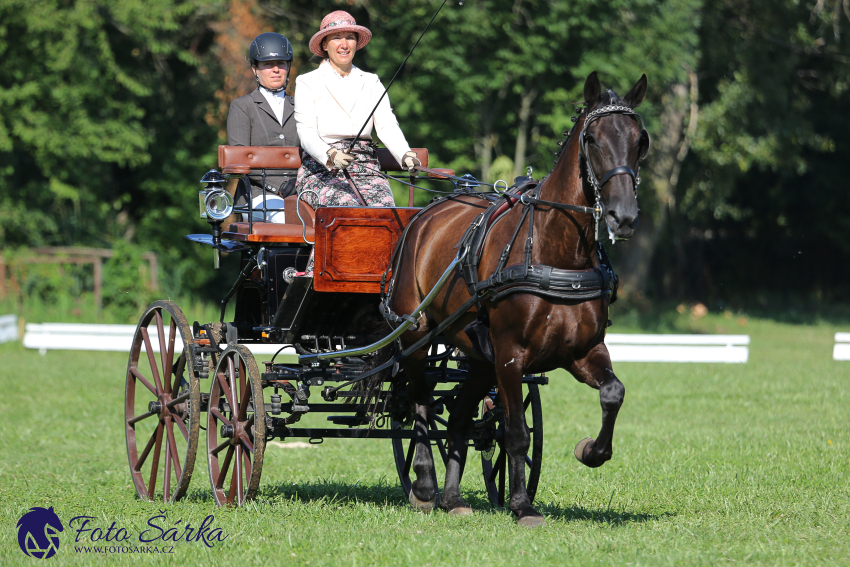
[494, 465]
[236, 427]
[404, 450]
[162, 394]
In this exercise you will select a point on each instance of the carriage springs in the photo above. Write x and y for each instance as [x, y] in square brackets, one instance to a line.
[158, 530]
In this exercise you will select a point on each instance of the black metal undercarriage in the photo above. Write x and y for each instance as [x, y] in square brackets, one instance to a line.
[270, 309]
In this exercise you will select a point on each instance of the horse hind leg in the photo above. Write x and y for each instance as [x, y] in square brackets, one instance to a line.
[423, 494]
[595, 452]
[480, 377]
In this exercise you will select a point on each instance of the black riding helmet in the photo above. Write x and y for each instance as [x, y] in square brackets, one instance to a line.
[270, 46]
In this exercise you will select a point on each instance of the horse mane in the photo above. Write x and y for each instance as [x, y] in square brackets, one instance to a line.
[606, 98]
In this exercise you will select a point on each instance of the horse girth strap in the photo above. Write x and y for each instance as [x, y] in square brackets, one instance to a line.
[550, 282]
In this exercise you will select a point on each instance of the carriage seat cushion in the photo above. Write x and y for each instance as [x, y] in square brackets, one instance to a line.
[268, 232]
[290, 231]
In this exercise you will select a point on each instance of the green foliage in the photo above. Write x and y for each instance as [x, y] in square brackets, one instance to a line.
[129, 291]
[109, 116]
[103, 121]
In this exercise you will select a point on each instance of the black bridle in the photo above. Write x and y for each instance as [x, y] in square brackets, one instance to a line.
[596, 114]
[597, 184]
[596, 210]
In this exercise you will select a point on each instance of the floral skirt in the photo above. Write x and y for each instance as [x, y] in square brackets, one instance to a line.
[333, 188]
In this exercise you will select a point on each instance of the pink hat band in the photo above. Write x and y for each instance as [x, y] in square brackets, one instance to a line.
[335, 22]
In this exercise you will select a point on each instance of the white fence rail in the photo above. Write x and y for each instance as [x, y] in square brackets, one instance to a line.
[678, 348]
[841, 350]
[623, 347]
[8, 328]
[116, 338]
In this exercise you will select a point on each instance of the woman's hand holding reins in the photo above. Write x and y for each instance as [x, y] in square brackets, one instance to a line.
[338, 159]
[409, 160]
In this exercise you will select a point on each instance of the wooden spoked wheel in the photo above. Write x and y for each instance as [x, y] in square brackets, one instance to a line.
[236, 427]
[494, 464]
[162, 404]
[405, 449]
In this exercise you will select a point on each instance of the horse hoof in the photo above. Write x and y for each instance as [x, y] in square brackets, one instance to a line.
[580, 449]
[461, 511]
[532, 522]
[422, 505]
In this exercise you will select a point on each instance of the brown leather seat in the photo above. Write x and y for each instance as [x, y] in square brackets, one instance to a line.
[268, 232]
[290, 231]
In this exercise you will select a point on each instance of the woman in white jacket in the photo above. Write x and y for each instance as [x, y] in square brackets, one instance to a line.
[331, 105]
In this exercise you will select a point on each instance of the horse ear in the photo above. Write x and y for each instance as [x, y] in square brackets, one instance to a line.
[592, 88]
[635, 96]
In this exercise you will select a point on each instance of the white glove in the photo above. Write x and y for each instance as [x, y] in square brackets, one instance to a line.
[338, 159]
[409, 160]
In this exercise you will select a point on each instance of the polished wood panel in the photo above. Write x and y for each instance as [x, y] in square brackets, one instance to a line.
[354, 245]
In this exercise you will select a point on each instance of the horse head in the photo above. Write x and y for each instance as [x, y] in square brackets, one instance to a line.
[612, 142]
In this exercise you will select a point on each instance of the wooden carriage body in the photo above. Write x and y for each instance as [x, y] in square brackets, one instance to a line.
[334, 310]
[353, 244]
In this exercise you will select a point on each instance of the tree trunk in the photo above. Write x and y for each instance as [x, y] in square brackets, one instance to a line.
[670, 146]
[522, 132]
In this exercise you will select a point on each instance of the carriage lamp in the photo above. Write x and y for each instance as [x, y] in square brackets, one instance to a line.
[216, 205]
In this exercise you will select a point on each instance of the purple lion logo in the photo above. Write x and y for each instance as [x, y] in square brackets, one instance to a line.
[38, 532]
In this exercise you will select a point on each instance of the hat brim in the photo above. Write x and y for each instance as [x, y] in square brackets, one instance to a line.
[363, 37]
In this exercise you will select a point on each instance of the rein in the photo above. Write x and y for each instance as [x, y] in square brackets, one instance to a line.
[546, 281]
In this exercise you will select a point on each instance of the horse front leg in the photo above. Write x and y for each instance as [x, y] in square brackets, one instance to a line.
[517, 437]
[595, 370]
[423, 494]
[480, 378]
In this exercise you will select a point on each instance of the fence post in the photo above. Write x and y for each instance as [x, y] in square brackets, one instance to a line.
[2, 277]
[98, 290]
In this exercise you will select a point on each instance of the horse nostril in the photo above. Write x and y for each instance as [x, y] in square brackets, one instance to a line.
[614, 216]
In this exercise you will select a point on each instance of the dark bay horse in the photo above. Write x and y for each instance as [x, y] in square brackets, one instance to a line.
[529, 333]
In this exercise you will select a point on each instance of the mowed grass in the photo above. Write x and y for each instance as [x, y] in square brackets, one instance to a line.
[713, 464]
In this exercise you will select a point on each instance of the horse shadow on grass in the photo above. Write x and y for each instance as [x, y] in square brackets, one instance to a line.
[386, 493]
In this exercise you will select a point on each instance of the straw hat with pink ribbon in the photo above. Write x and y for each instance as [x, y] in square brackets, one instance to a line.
[339, 21]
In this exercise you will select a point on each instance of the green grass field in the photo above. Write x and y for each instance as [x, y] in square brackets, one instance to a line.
[713, 464]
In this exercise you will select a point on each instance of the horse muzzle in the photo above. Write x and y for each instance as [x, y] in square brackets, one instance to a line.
[621, 224]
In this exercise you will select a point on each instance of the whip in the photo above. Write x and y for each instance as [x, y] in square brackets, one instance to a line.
[400, 67]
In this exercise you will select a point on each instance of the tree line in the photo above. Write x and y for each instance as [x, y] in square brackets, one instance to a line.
[111, 112]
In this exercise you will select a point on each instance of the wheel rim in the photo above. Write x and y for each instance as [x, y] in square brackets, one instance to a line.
[495, 470]
[161, 394]
[236, 421]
